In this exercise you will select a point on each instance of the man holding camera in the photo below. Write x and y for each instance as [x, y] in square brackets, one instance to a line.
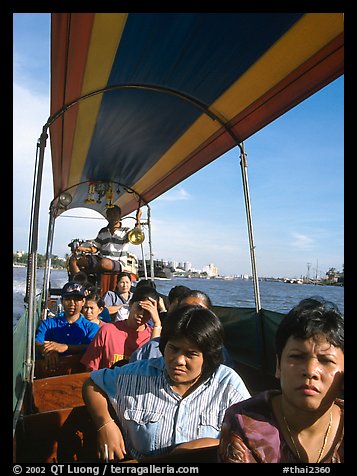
[109, 250]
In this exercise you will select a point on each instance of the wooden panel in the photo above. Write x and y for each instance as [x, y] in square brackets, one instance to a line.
[65, 435]
[58, 392]
[70, 364]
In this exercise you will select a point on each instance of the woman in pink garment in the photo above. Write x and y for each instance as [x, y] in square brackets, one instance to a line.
[304, 421]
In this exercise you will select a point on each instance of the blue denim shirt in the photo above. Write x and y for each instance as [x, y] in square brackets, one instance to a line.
[154, 418]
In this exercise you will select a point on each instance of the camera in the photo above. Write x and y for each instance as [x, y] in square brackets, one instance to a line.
[74, 244]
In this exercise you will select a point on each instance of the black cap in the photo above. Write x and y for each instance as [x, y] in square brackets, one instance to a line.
[73, 289]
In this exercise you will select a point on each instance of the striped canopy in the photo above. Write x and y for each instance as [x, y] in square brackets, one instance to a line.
[141, 101]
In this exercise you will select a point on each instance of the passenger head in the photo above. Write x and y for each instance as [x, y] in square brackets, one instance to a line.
[311, 318]
[124, 282]
[199, 327]
[93, 306]
[310, 354]
[144, 292]
[196, 298]
[81, 277]
[113, 214]
[73, 295]
[175, 294]
[136, 312]
[146, 282]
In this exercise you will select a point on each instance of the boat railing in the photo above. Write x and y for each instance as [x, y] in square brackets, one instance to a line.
[250, 340]
[20, 358]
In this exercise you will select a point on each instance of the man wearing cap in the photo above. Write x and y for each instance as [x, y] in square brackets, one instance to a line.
[67, 333]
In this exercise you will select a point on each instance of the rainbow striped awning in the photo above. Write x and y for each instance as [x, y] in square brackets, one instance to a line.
[146, 99]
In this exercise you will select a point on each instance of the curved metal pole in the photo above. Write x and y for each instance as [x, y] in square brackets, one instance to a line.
[31, 273]
[215, 117]
[244, 166]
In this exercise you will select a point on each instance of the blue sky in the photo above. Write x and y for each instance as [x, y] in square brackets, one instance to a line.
[295, 172]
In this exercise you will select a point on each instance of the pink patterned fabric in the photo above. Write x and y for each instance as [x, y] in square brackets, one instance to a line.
[250, 434]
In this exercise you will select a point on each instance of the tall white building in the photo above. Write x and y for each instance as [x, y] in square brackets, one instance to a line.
[211, 270]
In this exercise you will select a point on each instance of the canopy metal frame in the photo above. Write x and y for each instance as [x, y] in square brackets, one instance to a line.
[33, 240]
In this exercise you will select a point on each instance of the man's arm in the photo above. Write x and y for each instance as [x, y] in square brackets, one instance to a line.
[138, 217]
[87, 249]
[112, 303]
[109, 436]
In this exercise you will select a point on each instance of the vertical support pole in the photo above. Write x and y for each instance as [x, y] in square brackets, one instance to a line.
[152, 273]
[144, 261]
[260, 347]
[31, 271]
[244, 167]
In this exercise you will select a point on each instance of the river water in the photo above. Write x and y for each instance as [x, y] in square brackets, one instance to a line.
[274, 296]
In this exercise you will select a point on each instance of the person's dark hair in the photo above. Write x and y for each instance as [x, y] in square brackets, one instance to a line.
[112, 209]
[311, 317]
[86, 280]
[83, 278]
[145, 282]
[177, 292]
[80, 277]
[200, 326]
[195, 293]
[122, 274]
[144, 292]
[93, 296]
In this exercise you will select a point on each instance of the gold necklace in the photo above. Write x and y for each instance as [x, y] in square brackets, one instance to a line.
[323, 443]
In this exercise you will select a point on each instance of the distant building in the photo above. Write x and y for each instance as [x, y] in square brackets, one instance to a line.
[211, 270]
[173, 264]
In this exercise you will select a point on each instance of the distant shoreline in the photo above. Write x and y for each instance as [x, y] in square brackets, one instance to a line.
[20, 265]
[221, 278]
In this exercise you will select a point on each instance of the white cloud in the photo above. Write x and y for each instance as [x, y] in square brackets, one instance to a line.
[174, 195]
[302, 241]
[30, 113]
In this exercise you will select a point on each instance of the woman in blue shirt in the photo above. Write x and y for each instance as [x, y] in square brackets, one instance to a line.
[174, 401]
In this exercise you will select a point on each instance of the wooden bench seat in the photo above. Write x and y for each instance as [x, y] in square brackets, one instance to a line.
[69, 435]
[59, 428]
